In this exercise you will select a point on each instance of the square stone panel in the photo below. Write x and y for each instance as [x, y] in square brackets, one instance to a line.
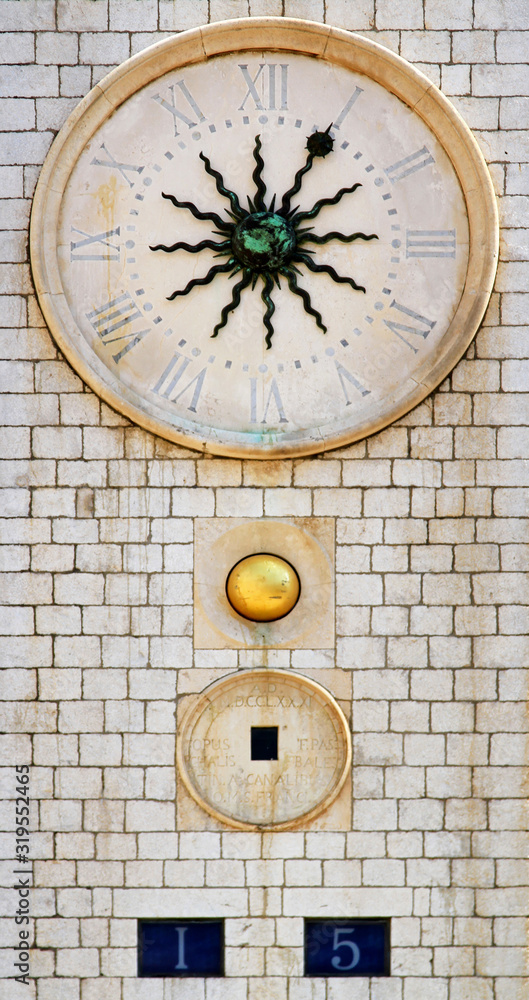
[306, 543]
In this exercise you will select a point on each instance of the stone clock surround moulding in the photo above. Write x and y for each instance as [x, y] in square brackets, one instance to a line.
[307, 38]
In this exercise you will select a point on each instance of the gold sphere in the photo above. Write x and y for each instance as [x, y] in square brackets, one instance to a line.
[263, 587]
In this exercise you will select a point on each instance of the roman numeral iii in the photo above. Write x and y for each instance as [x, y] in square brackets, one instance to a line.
[430, 243]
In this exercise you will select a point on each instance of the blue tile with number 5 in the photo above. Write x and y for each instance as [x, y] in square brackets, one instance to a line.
[347, 947]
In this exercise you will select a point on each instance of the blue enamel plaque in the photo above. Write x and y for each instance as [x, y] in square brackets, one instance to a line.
[347, 947]
[172, 948]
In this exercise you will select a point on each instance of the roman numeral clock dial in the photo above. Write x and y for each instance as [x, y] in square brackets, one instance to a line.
[256, 252]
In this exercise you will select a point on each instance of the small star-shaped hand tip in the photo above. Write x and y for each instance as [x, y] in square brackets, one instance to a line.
[320, 143]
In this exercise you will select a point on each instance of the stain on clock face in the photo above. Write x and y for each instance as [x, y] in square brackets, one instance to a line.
[202, 185]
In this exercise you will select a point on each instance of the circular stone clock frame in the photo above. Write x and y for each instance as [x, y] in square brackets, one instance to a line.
[282, 35]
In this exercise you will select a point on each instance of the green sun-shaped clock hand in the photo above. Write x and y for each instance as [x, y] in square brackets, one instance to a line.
[265, 242]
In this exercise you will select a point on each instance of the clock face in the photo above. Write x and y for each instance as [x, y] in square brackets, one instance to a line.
[263, 253]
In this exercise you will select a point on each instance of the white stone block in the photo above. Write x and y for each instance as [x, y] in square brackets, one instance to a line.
[149, 815]
[58, 989]
[414, 988]
[180, 903]
[199, 845]
[341, 873]
[417, 814]
[347, 902]
[268, 988]
[238, 845]
[225, 989]
[348, 989]
[57, 933]
[158, 845]
[224, 872]
[310, 989]
[245, 932]
[115, 846]
[301, 872]
[143, 989]
[264, 873]
[75, 845]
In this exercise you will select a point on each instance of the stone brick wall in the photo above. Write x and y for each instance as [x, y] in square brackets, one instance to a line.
[432, 554]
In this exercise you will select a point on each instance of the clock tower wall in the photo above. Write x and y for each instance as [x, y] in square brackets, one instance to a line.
[399, 672]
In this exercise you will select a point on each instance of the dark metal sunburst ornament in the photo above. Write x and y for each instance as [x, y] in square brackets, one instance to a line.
[265, 242]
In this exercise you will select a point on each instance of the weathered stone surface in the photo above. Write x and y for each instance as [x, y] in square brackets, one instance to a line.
[295, 773]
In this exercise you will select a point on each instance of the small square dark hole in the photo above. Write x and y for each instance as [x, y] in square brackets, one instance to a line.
[263, 742]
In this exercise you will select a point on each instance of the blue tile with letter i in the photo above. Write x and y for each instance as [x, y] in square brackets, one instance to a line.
[170, 948]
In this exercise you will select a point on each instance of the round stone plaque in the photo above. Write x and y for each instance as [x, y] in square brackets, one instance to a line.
[264, 749]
